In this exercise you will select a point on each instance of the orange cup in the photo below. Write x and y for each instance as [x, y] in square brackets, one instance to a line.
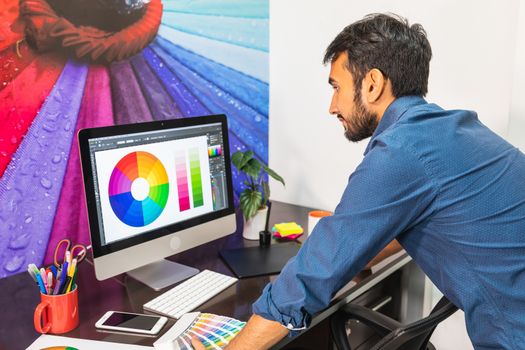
[57, 313]
[314, 217]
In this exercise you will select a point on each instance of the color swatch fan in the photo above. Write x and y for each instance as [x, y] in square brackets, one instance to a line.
[214, 331]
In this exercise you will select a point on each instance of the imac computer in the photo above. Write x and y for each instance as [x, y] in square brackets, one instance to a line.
[155, 189]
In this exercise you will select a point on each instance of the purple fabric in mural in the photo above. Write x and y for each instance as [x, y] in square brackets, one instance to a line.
[129, 104]
[160, 103]
[30, 187]
[96, 110]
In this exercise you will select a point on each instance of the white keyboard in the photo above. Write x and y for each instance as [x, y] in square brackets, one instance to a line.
[189, 294]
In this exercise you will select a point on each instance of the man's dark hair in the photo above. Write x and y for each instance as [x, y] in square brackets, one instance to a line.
[386, 42]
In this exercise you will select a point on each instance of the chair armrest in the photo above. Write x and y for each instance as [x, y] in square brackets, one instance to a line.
[376, 320]
[380, 323]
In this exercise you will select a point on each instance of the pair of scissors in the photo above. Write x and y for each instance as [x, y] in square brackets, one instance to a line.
[78, 251]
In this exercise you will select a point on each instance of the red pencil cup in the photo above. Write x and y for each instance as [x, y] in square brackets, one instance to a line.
[57, 313]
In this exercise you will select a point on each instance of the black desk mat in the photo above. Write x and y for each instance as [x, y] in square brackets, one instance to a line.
[259, 261]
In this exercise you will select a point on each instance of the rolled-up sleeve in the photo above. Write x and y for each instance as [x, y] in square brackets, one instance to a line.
[390, 192]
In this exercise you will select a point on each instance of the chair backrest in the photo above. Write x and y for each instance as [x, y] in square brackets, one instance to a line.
[416, 335]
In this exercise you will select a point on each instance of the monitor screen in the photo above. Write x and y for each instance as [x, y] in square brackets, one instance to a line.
[148, 180]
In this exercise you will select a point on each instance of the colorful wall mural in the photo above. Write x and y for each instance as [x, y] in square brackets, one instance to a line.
[72, 64]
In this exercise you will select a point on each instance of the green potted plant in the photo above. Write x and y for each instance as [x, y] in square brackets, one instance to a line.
[256, 193]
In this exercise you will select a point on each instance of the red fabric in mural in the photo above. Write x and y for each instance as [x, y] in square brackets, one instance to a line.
[45, 30]
[21, 100]
[71, 216]
[13, 61]
[11, 30]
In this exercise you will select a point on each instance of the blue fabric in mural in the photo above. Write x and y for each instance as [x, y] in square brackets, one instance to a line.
[226, 8]
[249, 90]
[243, 121]
[250, 32]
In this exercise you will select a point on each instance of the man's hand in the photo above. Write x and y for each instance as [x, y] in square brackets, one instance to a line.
[258, 334]
[197, 345]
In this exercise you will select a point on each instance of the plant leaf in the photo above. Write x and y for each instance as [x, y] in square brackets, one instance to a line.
[253, 168]
[237, 158]
[250, 202]
[240, 159]
[274, 174]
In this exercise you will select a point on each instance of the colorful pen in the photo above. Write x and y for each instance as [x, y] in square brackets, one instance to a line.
[50, 282]
[57, 282]
[63, 290]
[41, 284]
[64, 275]
[43, 275]
[74, 279]
[31, 272]
[72, 269]
[35, 269]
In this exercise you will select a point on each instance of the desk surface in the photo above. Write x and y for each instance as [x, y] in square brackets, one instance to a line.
[19, 295]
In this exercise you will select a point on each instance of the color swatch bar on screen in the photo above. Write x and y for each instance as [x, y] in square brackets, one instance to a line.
[196, 180]
[214, 151]
[213, 193]
[182, 180]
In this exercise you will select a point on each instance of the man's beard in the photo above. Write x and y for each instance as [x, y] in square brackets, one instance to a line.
[362, 123]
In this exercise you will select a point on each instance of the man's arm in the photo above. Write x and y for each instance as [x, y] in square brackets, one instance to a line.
[258, 334]
[392, 248]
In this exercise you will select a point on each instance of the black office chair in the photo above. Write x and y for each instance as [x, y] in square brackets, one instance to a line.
[394, 335]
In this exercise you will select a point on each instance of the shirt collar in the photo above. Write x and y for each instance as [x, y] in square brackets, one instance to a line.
[392, 114]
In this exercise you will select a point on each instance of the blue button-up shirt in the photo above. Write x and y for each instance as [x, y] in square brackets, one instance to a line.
[453, 193]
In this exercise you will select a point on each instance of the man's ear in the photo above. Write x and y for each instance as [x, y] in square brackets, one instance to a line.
[374, 85]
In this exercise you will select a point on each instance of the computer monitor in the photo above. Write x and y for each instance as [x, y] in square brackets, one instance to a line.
[155, 189]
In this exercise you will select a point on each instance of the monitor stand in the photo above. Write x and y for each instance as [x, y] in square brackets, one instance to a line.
[162, 273]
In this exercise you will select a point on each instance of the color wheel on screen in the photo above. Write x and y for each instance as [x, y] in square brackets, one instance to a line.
[138, 189]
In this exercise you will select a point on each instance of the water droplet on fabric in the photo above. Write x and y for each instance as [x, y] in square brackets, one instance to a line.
[58, 96]
[13, 139]
[49, 127]
[45, 182]
[56, 158]
[28, 219]
[14, 263]
[67, 127]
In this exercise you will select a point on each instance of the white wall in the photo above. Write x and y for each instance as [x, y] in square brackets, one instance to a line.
[473, 46]
[517, 106]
